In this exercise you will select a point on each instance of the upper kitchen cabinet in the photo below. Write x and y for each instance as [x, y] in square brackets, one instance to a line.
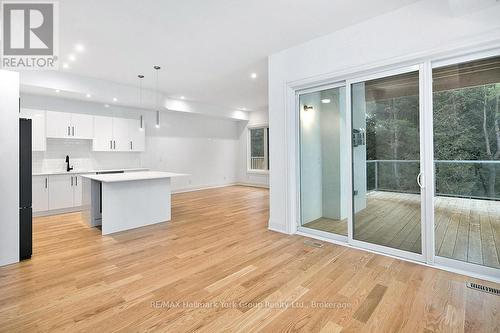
[137, 135]
[121, 137]
[69, 125]
[118, 134]
[39, 140]
[103, 134]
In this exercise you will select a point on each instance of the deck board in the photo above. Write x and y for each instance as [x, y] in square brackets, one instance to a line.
[466, 229]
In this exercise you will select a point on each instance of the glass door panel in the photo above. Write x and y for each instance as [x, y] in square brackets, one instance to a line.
[466, 120]
[386, 162]
[323, 164]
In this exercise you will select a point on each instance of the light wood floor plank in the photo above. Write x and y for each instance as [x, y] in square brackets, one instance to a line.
[217, 268]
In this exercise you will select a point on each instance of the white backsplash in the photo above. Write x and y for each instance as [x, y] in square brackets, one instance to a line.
[82, 158]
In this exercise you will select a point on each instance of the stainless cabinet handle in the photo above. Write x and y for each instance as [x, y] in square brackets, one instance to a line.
[76, 180]
[69, 133]
[46, 182]
[114, 144]
[110, 144]
[71, 180]
[73, 129]
[131, 145]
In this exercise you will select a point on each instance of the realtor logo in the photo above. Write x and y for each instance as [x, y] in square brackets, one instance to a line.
[30, 35]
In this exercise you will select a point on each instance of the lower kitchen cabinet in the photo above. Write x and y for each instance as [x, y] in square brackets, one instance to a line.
[60, 191]
[40, 193]
[54, 192]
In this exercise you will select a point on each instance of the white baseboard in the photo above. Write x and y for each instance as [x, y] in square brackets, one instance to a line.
[58, 211]
[252, 184]
[201, 188]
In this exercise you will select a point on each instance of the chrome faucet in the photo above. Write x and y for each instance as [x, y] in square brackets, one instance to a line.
[68, 168]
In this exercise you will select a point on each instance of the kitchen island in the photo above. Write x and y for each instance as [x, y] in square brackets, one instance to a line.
[123, 201]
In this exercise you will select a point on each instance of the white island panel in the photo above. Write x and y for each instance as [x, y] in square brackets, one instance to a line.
[132, 205]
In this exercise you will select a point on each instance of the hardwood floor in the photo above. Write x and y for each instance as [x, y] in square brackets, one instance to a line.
[217, 268]
[466, 229]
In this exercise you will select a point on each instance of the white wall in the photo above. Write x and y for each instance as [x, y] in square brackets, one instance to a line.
[205, 147]
[243, 176]
[424, 28]
[9, 172]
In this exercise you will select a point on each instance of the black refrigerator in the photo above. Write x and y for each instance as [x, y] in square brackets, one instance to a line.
[25, 211]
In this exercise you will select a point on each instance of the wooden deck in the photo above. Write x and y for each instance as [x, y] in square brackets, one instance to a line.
[466, 229]
[217, 268]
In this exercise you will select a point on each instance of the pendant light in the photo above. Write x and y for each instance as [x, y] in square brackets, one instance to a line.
[140, 76]
[157, 69]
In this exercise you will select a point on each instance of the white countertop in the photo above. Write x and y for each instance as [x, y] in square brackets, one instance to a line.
[132, 176]
[73, 172]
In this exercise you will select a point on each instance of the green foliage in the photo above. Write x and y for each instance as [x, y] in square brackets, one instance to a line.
[465, 128]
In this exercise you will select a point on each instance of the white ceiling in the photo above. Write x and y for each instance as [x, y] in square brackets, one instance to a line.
[207, 49]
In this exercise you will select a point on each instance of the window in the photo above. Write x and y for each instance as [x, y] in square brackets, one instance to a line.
[258, 148]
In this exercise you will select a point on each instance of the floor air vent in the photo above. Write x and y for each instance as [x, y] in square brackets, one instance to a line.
[313, 243]
[485, 289]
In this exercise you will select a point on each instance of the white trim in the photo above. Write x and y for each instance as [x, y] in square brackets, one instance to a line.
[274, 227]
[428, 233]
[324, 234]
[251, 185]
[472, 45]
[201, 188]
[469, 269]
[471, 56]
[58, 211]
[258, 172]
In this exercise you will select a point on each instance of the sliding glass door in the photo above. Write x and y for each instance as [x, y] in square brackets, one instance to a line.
[323, 145]
[407, 162]
[386, 164]
[466, 124]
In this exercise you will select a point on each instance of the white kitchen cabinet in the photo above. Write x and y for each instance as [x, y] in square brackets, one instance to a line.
[82, 126]
[38, 137]
[65, 191]
[103, 134]
[77, 191]
[60, 191]
[69, 125]
[58, 124]
[40, 193]
[121, 139]
[137, 135]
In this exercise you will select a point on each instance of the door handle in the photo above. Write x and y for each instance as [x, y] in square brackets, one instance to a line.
[419, 177]
[46, 182]
[69, 131]
[131, 145]
[114, 144]
[76, 180]
[71, 180]
[73, 129]
[110, 144]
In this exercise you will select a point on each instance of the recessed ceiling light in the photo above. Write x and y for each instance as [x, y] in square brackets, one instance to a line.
[182, 97]
[106, 105]
[71, 57]
[88, 95]
[65, 65]
[253, 75]
[58, 91]
[115, 99]
[325, 101]
[79, 48]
